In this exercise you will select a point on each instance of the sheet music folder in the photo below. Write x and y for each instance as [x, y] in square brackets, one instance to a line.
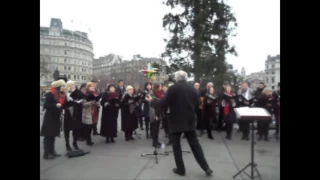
[254, 113]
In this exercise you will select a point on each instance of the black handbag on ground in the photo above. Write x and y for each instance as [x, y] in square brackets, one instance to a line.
[78, 153]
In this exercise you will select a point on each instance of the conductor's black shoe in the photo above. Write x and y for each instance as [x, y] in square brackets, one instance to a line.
[209, 172]
[95, 133]
[107, 140]
[229, 137]
[181, 173]
[131, 138]
[211, 137]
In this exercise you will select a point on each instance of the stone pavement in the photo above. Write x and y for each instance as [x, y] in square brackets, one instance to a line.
[122, 160]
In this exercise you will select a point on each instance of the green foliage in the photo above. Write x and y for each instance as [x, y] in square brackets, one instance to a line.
[201, 32]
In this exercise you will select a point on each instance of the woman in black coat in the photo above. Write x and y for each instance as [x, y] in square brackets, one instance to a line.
[129, 121]
[54, 103]
[77, 97]
[209, 111]
[110, 103]
[146, 108]
[265, 101]
[140, 96]
[228, 103]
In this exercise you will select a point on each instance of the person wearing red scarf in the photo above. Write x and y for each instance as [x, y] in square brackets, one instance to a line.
[54, 103]
[228, 102]
[89, 112]
[110, 107]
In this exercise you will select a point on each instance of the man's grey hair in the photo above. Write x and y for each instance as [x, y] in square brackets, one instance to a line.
[180, 76]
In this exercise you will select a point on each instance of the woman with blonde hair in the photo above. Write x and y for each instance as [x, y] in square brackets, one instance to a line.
[265, 101]
[89, 112]
[129, 120]
[69, 120]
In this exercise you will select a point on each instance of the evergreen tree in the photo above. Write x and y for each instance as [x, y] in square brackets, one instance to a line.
[200, 32]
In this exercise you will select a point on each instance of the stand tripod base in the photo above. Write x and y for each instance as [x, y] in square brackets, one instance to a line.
[254, 168]
[155, 154]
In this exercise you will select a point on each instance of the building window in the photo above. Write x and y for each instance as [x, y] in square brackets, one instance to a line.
[78, 77]
[65, 60]
[272, 65]
[267, 80]
[74, 77]
[272, 87]
[69, 68]
[65, 52]
[69, 77]
[272, 72]
[272, 80]
[65, 67]
[66, 44]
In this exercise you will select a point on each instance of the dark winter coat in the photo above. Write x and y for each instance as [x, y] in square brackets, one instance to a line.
[266, 103]
[145, 104]
[129, 120]
[110, 108]
[120, 91]
[182, 100]
[230, 102]
[77, 95]
[276, 102]
[51, 120]
[209, 109]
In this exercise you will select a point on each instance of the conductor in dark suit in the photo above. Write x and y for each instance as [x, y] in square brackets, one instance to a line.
[182, 100]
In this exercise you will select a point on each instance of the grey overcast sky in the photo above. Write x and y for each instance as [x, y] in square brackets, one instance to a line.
[128, 27]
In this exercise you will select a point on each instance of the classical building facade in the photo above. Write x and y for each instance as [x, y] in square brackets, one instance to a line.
[70, 52]
[111, 69]
[254, 79]
[272, 71]
[103, 65]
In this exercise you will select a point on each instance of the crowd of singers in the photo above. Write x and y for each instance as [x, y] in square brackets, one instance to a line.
[80, 108]
[217, 109]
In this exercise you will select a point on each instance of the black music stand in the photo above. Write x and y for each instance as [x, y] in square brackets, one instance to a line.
[256, 114]
[155, 154]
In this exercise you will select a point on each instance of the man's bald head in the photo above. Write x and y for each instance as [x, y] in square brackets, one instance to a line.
[209, 84]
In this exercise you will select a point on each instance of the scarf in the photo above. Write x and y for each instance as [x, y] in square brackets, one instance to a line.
[226, 109]
[60, 98]
[158, 94]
